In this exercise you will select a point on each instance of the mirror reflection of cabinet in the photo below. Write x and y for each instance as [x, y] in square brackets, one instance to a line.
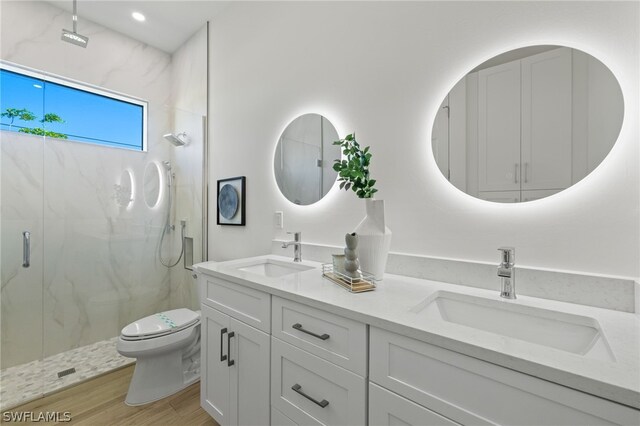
[499, 128]
[524, 123]
[527, 124]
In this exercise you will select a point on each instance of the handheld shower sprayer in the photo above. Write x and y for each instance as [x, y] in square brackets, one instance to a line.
[168, 226]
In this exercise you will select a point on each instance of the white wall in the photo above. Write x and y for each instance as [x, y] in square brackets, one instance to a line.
[381, 69]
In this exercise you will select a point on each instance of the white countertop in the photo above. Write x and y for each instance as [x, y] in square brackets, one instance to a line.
[389, 306]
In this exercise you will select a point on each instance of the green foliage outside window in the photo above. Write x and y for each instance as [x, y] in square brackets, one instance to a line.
[26, 115]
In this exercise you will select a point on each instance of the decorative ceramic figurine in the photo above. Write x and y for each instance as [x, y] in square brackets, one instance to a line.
[351, 264]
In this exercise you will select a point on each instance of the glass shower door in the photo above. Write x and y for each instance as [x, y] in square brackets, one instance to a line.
[21, 267]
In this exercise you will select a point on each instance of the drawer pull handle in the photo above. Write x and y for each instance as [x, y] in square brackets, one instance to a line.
[230, 362]
[298, 327]
[222, 357]
[298, 389]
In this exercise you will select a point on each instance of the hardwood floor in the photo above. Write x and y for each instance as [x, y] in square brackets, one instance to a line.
[100, 401]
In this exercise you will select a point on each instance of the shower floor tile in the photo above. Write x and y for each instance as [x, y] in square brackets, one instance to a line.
[35, 379]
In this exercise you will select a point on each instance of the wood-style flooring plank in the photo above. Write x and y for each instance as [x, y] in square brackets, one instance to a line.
[100, 401]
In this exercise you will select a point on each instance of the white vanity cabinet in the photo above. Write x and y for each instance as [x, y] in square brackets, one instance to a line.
[467, 390]
[268, 359]
[234, 387]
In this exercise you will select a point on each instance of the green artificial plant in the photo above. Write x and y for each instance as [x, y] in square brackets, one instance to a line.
[353, 171]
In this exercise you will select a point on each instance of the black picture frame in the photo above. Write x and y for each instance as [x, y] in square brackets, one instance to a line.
[239, 183]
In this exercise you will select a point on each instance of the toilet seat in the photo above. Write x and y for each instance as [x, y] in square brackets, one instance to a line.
[159, 325]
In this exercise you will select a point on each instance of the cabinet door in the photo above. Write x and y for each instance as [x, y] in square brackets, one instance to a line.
[250, 373]
[499, 127]
[546, 120]
[214, 384]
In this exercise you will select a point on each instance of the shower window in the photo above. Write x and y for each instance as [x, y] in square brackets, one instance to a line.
[42, 105]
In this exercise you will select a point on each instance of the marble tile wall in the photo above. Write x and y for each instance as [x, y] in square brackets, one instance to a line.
[94, 263]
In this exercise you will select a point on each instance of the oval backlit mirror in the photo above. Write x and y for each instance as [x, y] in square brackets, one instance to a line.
[152, 184]
[303, 163]
[527, 124]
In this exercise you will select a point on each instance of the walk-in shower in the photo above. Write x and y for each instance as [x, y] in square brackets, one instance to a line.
[92, 251]
[95, 263]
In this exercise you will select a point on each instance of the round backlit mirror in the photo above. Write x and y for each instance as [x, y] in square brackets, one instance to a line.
[527, 124]
[304, 158]
[152, 184]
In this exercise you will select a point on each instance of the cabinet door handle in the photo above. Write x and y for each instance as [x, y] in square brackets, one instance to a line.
[230, 362]
[222, 357]
[298, 327]
[515, 174]
[526, 172]
[26, 249]
[298, 389]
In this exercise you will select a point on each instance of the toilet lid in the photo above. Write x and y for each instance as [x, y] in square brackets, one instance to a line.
[161, 324]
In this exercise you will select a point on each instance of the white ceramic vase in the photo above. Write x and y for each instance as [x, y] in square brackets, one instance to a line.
[374, 239]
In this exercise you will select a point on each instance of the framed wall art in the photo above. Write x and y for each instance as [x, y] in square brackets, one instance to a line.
[231, 201]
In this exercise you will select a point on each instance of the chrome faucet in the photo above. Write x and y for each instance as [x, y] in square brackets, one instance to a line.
[507, 272]
[297, 245]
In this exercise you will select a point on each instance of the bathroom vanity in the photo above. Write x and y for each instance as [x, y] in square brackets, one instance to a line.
[282, 345]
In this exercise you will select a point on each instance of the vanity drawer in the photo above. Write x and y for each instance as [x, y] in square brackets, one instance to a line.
[387, 409]
[471, 391]
[334, 396]
[279, 419]
[250, 306]
[334, 338]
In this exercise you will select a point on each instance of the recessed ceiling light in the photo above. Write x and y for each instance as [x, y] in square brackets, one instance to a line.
[138, 16]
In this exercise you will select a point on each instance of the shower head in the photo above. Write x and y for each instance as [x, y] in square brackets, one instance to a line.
[179, 139]
[72, 36]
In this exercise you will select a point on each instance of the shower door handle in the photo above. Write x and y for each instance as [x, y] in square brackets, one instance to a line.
[26, 249]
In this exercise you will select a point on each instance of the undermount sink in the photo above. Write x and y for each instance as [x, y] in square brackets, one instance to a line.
[568, 332]
[272, 268]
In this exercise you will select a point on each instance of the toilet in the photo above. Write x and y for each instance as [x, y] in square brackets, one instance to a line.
[167, 351]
